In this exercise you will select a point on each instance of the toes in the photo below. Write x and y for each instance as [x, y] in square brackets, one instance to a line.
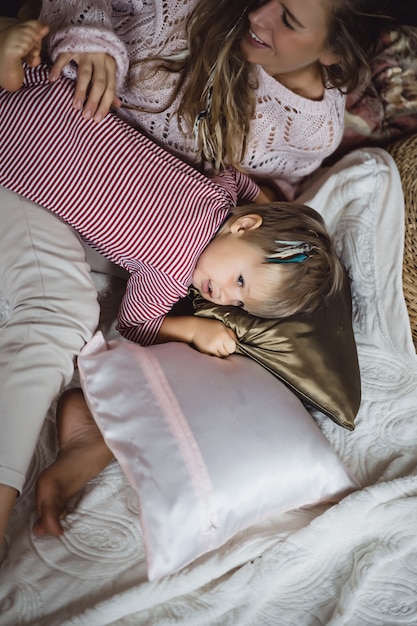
[48, 522]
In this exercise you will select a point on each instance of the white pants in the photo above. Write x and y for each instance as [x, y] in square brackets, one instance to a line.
[48, 310]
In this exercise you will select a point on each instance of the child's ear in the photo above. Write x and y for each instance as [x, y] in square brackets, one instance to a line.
[246, 222]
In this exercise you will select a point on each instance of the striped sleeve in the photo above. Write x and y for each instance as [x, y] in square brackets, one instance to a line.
[143, 310]
[238, 185]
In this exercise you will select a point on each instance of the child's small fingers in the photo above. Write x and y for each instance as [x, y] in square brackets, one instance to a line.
[29, 59]
[34, 29]
[232, 334]
[39, 27]
[33, 59]
[231, 347]
[228, 346]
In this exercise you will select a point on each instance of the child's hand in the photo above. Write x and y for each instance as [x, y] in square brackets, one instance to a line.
[208, 336]
[213, 337]
[22, 41]
[95, 90]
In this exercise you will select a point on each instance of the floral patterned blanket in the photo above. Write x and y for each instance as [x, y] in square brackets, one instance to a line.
[385, 108]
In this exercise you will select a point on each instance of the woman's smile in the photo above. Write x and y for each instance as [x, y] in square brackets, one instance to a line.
[254, 40]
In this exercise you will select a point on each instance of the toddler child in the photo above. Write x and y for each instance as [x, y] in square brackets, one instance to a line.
[161, 220]
[255, 84]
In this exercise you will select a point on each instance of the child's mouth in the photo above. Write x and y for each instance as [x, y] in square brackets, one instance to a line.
[206, 289]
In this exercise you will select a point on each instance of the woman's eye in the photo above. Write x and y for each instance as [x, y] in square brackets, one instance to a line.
[240, 281]
[285, 21]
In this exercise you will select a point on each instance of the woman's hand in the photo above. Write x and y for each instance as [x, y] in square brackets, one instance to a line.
[95, 90]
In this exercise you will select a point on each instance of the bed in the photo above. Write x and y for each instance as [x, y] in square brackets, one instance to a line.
[351, 563]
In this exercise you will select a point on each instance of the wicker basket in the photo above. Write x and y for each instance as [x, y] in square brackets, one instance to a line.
[404, 152]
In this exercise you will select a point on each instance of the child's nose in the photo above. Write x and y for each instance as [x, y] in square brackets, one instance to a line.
[224, 297]
[228, 297]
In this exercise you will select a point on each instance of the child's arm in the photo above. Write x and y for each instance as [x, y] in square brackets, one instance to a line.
[208, 336]
[242, 189]
[238, 185]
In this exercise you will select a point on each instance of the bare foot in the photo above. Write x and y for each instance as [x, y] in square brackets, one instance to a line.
[7, 500]
[19, 41]
[83, 454]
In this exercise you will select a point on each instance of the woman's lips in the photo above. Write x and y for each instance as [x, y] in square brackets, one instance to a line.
[254, 40]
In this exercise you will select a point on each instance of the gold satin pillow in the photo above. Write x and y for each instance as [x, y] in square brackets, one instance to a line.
[314, 355]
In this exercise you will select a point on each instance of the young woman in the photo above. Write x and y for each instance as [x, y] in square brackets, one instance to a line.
[253, 84]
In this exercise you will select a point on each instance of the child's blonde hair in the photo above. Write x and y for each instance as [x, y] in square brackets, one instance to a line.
[301, 268]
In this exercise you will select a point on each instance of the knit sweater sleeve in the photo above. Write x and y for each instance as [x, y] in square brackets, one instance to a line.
[81, 26]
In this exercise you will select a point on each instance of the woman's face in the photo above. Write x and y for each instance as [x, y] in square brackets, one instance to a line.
[286, 36]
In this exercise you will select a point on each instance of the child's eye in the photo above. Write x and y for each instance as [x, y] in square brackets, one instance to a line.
[240, 281]
[285, 21]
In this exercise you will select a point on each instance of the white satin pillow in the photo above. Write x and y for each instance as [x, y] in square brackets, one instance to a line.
[210, 445]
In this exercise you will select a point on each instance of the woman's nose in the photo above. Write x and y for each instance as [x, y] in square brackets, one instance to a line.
[265, 15]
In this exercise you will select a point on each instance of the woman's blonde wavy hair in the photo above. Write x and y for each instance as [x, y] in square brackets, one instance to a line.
[218, 84]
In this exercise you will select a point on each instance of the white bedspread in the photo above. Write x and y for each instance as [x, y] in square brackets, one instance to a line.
[352, 564]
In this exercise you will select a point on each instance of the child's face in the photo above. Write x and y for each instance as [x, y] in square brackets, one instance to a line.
[286, 37]
[229, 271]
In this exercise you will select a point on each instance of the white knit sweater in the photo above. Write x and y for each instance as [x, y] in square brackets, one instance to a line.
[289, 136]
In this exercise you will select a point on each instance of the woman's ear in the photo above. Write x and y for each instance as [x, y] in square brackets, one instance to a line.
[329, 58]
[246, 222]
